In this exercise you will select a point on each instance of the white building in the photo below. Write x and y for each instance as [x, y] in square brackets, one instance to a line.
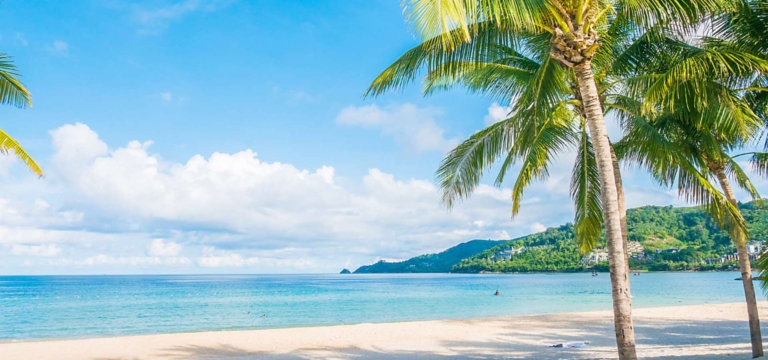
[507, 254]
[596, 256]
[754, 248]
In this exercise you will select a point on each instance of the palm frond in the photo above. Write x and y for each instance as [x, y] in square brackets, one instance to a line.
[8, 144]
[438, 18]
[585, 191]
[12, 91]
[538, 151]
[735, 171]
[462, 168]
[759, 161]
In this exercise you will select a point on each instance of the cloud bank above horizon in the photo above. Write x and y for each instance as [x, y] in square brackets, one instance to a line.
[125, 209]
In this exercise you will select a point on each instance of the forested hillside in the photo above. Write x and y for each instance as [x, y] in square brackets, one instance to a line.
[689, 230]
[431, 263]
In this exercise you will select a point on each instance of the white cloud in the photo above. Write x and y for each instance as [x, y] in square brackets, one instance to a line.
[161, 248]
[46, 250]
[538, 227]
[157, 19]
[264, 206]
[6, 161]
[75, 146]
[103, 259]
[213, 258]
[496, 113]
[411, 126]
[127, 208]
[58, 48]
[16, 213]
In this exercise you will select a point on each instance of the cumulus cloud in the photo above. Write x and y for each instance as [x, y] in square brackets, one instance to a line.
[411, 126]
[213, 258]
[127, 207]
[161, 248]
[496, 113]
[538, 227]
[17, 213]
[103, 259]
[6, 161]
[46, 250]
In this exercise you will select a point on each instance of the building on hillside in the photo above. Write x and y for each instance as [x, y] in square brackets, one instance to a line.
[595, 256]
[755, 248]
[635, 249]
[507, 254]
[667, 251]
[714, 261]
[730, 257]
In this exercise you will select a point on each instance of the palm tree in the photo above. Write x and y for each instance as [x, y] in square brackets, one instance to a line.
[13, 92]
[694, 127]
[710, 154]
[574, 29]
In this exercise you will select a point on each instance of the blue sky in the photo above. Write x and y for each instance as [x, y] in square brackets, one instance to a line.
[193, 136]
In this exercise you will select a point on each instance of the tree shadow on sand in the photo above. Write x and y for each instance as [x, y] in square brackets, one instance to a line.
[676, 339]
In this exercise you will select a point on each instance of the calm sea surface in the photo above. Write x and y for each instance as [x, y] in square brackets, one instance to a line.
[34, 307]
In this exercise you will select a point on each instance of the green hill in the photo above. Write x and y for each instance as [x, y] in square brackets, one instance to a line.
[687, 230]
[431, 263]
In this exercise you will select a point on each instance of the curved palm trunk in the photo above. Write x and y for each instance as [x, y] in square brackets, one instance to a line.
[746, 270]
[622, 303]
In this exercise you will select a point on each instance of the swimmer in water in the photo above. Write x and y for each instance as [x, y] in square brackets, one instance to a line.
[497, 293]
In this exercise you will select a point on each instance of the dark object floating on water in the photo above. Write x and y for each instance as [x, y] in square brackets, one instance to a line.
[580, 344]
[753, 278]
[345, 271]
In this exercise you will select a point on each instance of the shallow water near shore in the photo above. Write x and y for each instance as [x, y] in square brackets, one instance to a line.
[38, 307]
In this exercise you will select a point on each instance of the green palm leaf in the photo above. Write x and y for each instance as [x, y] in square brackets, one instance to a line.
[12, 91]
[585, 191]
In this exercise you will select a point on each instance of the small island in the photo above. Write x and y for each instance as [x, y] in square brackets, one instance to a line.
[345, 271]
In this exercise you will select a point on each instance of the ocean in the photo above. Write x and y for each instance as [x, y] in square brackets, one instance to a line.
[40, 307]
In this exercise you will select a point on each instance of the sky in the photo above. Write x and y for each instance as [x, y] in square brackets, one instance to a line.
[226, 136]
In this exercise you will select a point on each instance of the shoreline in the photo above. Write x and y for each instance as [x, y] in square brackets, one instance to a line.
[709, 330]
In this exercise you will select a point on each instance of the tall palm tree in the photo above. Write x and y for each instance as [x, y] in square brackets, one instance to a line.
[574, 29]
[13, 92]
[695, 125]
[709, 152]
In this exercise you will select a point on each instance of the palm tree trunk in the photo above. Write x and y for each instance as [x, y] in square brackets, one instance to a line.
[745, 267]
[622, 207]
[622, 302]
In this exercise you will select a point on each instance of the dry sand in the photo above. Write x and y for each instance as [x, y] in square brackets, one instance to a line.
[681, 332]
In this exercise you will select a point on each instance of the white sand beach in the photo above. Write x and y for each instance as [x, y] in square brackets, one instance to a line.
[713, 331]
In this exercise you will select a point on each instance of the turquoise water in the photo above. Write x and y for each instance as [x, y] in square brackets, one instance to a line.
[33, 307]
